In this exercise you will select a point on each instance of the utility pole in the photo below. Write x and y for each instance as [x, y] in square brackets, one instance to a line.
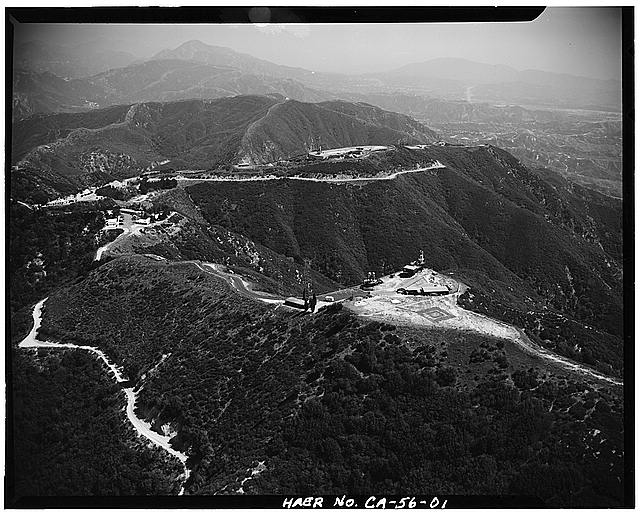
[306, 274]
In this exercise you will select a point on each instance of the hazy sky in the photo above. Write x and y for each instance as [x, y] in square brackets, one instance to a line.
[580, 41]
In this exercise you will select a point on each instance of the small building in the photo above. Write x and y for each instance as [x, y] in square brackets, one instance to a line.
[112, 223]
[144, 220]
[131, 211]
[295, 302]
[317, 155]
[434, 289]
[410, 270]
[371, 280]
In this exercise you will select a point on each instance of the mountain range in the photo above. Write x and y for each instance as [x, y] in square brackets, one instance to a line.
[69, 61]
[494, 370]
[502, 84]
[63, 152]
[332, 399]
[197, 70]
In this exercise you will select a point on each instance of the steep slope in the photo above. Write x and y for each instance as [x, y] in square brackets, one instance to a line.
[172, 79]
[64, 151]
[82, 408]
[189, 237]
[376, 115]
[332, 403]
[43, 129]
[95, 147]
[74, 157]
[45, 92]
[155, 80]
[49, 247]
[550, 246]
[293, 128]
[221, 56]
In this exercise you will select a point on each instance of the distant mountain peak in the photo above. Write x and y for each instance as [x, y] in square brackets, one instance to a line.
[198, 50]
[194, 43]
[223, 56]
[199, 46]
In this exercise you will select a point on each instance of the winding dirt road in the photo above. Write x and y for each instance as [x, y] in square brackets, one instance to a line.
[519, 337]
[503, 330]
[237, 283]
[527, 345]
[142, 427]
[104, 248]
[392, 176]
[384, 304]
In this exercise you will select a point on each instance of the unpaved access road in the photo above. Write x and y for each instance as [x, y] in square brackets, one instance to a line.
[142, 427]
[386, 177]
[386, 305]
[237, 283]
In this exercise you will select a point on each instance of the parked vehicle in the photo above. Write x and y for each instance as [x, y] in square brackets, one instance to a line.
[404, 291]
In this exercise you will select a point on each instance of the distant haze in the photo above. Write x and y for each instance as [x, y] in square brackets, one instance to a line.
[579, 41]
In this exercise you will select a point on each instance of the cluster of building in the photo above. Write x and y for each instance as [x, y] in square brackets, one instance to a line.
[113, 223]
[305, 303]
[349, 152]
[113, 220]
[428, 285]
[424, 282]
[85, 195]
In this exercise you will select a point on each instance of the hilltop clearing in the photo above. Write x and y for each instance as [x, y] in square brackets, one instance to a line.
[532, 244]
[245, 384]
[385, 304]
